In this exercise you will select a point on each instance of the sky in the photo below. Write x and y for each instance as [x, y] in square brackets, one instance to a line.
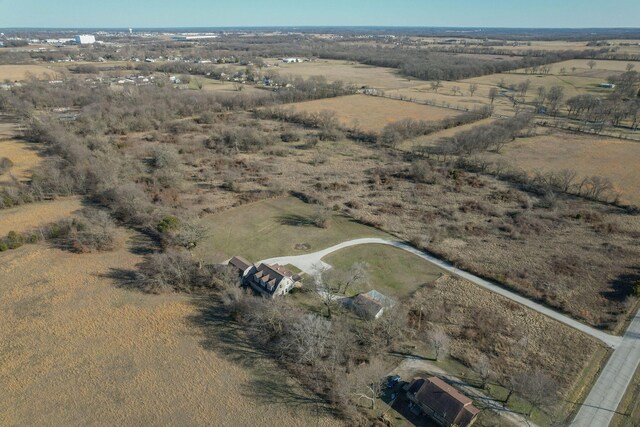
[233, 13]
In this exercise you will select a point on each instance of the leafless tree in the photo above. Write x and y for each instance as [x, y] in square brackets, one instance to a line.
[591, 64]
[630, 66]
[493, 92]
[440, 341]
[307, 338]
[368, 382]
[473, 87]
[537, 387]
[435, 85]
[483, 367]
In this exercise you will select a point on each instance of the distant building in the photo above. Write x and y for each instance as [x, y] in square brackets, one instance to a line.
[441, 402]
[292, 60]
[607, 85]
[85, 39]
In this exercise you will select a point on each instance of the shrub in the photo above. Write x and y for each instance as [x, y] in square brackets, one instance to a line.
[14, 240]
[290, 136]
[5, 164]
[167, 223]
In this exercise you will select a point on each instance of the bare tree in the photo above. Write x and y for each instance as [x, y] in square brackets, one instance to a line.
[307, 339]
[483, 367]
[630, 66]
[435, 85]
[493, 92]
[591, 64]
[537, 387]
[368, 382]
[440, 341]
[473, 88]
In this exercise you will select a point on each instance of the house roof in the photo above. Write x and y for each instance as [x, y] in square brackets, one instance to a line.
[239, 263]
[371, 303]
[271, 274]
[367, 305]
[444, 400]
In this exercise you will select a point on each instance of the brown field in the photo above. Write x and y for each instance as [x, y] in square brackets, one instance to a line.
[22, 72]
[602, 66]
[24, 155]
[445, 96]
[433, 138]
[78, 350]
[346, 71]
[587, 155]
[373, 113]
[26, 217]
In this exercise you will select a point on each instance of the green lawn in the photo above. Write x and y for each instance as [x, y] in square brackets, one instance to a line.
[274, 227]
[392, 271]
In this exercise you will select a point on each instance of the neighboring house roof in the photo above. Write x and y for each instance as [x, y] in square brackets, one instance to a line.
[371, 304]
[444, 400]
[240, 263]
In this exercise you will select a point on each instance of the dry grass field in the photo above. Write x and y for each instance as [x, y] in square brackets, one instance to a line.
[588, 155]
[346, 71]
[24, 72]
[78, 350]
[371, 113]
[23, 155]
[26, 217]
[604, 67]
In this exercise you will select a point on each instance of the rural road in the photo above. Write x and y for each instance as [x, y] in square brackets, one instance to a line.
[602, 402]
[312, 264]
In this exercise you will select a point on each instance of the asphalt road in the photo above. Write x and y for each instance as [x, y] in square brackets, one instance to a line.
[600, 405]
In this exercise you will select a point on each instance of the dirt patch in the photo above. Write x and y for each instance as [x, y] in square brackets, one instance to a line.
[76, 349]
[372, 113]
[26, 217]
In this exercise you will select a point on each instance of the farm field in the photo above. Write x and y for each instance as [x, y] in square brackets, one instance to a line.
[27, 217]
[588, 155]
[392, 271]
[272, 228]
[346, 71]
[23, 72]
[372, 113]
[78, 349]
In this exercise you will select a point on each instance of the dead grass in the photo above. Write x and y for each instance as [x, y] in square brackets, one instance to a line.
[23, 72]
[24, 155]
[27, 217]
[77, 350]
[371, 113]
[346, 71]
[588, 155]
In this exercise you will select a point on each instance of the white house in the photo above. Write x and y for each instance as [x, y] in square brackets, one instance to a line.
[85, 39]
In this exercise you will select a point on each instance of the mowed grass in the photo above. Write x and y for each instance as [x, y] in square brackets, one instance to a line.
[392, 271]
[23, 72]
[372, 113]
[274, 227]
[587, 155]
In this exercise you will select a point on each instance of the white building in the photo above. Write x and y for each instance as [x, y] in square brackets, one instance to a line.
[85, 39]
